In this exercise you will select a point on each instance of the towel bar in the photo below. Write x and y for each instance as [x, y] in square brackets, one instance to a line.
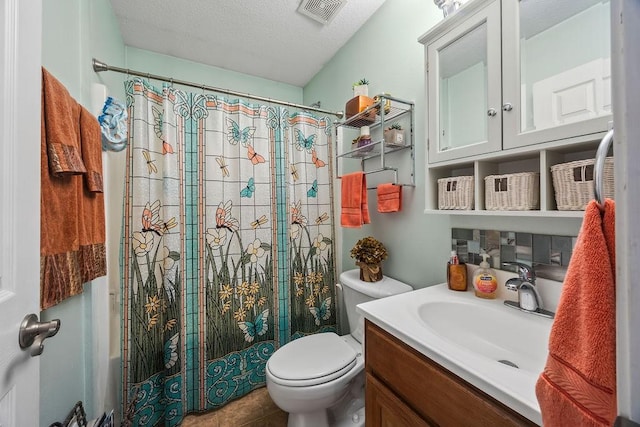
[383, 169]
[395, 183]
[395, 180]
[598, 170]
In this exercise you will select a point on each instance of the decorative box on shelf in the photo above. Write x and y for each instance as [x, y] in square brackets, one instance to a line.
[512, 192]
[455, 192]
[358, 104]
[573, 183]
[394, 137]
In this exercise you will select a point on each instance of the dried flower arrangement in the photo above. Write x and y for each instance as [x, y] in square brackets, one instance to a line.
[369, 251]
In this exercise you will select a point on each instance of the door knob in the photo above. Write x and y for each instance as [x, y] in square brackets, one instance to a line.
[507, 106]
[491, 112]
[33, 333]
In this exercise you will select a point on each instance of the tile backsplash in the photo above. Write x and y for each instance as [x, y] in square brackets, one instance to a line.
[549, 255]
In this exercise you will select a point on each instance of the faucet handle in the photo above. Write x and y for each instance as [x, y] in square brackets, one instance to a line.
[525, 272]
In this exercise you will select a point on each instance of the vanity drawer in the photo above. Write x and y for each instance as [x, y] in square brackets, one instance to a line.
[384, 408]
[428, 389]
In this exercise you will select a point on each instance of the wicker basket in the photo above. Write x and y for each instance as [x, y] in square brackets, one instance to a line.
[512, 192]
[455, 192]
[573, 183]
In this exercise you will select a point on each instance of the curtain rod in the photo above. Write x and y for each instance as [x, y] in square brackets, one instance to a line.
[99, 66]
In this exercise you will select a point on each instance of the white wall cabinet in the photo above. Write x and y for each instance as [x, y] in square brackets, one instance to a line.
[516, 86]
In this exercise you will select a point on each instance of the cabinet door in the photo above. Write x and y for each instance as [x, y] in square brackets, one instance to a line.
[556, 69]
[385, 409]
[464, 88]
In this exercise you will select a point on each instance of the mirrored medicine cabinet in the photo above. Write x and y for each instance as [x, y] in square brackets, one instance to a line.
[503, 74]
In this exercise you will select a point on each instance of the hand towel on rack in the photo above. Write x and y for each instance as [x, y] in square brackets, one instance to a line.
[60, 116]
[578, 384]
[355, 210]
[90, 135]
[389, 198]
[91, 218]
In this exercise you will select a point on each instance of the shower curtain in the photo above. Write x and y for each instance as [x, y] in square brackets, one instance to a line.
[227, 246]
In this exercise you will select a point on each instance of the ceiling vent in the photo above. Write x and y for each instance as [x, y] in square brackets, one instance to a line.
[322, 11]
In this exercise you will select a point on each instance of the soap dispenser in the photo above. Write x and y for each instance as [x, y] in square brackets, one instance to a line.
[485, 282]
[456, 273]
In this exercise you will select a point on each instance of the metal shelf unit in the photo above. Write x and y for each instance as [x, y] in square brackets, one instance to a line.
[379, 116]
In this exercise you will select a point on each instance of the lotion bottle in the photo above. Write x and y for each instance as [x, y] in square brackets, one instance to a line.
[485, 282]
[456, 273]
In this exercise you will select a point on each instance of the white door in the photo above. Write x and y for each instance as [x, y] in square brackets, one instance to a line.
[625, 67]
[20, 59]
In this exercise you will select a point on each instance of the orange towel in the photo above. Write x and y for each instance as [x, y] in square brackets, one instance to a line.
[91, 221]
[91, 138]
[389, 198]
[72, 222]
[60, 117]
[578, 385]
[355, 209]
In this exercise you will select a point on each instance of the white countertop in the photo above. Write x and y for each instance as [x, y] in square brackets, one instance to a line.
[400, 316]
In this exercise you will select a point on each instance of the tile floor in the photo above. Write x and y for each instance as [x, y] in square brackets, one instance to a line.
[253, 410]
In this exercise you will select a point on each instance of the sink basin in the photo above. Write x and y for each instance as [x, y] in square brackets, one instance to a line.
[493, 347]
[496, 332]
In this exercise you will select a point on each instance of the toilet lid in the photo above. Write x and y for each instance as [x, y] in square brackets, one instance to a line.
[313, 359]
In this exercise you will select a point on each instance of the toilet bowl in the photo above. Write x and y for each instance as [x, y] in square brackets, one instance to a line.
[319, 379]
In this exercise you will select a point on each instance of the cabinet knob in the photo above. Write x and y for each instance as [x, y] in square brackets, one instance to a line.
[507, 106]
[491, 112]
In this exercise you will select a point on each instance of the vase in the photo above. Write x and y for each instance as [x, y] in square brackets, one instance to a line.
[370, 272]
[361, 90]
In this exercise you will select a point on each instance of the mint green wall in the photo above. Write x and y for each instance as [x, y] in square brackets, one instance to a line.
[387, 53]
[73, 31]
[155, 63]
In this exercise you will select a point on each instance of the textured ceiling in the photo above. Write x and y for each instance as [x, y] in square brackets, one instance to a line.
[264, 38]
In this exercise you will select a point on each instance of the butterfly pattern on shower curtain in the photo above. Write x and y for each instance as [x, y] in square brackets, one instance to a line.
[311, 257]
[237, 251]
[153, 361]
[211, 283]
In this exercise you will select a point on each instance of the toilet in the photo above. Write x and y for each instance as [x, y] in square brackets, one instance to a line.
[319, 379]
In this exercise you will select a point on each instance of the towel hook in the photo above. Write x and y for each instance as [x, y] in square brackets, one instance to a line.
[598, 170]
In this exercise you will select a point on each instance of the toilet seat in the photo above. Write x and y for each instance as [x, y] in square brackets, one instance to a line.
[311, 360]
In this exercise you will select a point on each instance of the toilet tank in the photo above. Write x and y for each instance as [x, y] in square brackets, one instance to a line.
[356, 291]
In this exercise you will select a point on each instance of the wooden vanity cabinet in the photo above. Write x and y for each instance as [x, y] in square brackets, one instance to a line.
[406, 388]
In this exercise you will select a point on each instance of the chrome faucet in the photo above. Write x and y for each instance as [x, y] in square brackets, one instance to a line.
[529, 299]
